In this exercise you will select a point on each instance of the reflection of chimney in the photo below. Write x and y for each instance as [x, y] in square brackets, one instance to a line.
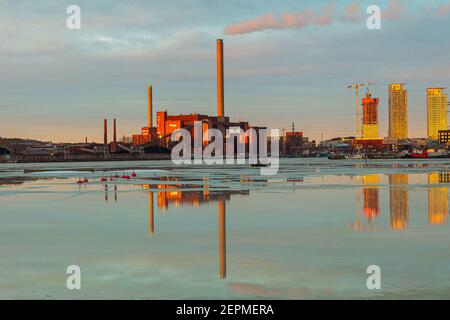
[220, 98]
[222, 240]
[150, 106]
[150, 214]
[106, 193]
[105, 132]
[114, 131]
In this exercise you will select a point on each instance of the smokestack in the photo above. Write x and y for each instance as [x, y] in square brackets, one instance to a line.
[105, 132]
[220, 99]
[114, 131]
[150, 106]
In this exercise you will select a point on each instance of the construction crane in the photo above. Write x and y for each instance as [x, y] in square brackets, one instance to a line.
[357, 86]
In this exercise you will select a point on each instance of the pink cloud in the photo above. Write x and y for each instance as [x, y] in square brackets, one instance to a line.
[290, 20]
[268, 21]
[326, 15]
[352, 12]
[296, 20]
[443, 10]
[393, 11]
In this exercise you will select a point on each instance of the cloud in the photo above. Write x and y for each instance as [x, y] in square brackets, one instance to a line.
[288, 20]
[443, 10]
[351, 12]
[393, 11]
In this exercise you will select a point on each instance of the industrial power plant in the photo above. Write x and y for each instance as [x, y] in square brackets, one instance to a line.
[154, 140]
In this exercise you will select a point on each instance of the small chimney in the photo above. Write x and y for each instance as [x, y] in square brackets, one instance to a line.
[105, 132]
[220, 97]
[114, 131]
[150, 107]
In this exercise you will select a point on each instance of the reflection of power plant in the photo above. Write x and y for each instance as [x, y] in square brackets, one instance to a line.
[179, 196]
[398, 201]
[437, 198]
[173, 195]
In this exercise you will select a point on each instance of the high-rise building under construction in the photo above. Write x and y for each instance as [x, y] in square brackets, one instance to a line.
[370, 117]
[436, 112]
[398, 111]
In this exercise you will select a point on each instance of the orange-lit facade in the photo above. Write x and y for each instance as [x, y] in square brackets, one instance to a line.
[436, 112]
[167, 124]
[147, 134]
[370, 117]
[398, 111]
[369, 137]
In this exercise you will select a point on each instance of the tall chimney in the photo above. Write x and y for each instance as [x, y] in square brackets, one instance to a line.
[150, 107]
[114, 131]
[220, 99]
[105, 132]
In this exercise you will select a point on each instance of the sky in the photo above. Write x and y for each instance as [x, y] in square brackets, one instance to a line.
[285, 61]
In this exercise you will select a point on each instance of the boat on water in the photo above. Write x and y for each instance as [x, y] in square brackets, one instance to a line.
[259, 164]
[337, 157]
[419, 155]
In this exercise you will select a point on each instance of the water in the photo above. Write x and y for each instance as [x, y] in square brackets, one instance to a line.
[226, 231]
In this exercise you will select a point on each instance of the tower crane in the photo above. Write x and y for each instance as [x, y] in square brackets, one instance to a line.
[357, 86]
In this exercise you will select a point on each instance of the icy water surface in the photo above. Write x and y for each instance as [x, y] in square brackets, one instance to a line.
[226, 231]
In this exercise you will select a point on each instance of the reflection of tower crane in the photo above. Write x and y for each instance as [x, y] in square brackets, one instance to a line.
[357, 86]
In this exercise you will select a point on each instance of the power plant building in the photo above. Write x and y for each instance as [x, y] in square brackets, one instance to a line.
[166, 124]
[148, 133]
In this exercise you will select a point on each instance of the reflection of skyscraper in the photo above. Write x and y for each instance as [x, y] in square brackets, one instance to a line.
[151, 223]
[398, 111]
[371, 195]
[222, 240]
[437, 200]
[398, 196]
